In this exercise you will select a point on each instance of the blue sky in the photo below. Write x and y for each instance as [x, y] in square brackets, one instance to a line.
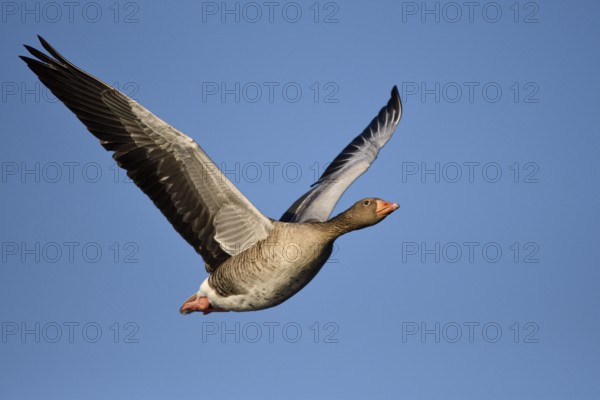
[482, 285]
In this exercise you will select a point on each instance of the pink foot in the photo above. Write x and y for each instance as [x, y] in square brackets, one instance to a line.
[195, 303]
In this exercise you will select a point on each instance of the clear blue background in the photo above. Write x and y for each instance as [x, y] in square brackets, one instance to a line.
[363, 306]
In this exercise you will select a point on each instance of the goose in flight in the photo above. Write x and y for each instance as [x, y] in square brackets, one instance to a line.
[253, 262]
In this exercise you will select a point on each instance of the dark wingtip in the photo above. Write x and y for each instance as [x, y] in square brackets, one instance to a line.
[396, 99]
[46, 45]
[36, 53]
[42, 40]
[53, 52]
[395, 93]
[27, 60]
[31, 63]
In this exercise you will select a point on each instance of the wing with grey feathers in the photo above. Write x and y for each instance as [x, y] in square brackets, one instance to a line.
[207, 210]
[318, 203]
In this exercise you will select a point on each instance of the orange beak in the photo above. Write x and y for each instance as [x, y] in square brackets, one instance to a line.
[385, 208]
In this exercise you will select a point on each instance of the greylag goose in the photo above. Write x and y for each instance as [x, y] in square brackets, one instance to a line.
[253, 262]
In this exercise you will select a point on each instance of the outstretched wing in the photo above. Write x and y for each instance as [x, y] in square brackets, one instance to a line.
[199, 201]
[318, 203]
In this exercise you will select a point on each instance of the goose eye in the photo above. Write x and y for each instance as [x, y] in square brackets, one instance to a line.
[366, 202]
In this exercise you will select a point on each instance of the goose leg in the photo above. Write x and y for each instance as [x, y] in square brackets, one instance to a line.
[198, 303]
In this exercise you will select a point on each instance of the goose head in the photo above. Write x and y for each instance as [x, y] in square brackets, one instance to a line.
[371, 211]
[363, 213]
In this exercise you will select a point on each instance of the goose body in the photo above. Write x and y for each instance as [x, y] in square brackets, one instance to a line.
[271, 271]
[253, 262]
